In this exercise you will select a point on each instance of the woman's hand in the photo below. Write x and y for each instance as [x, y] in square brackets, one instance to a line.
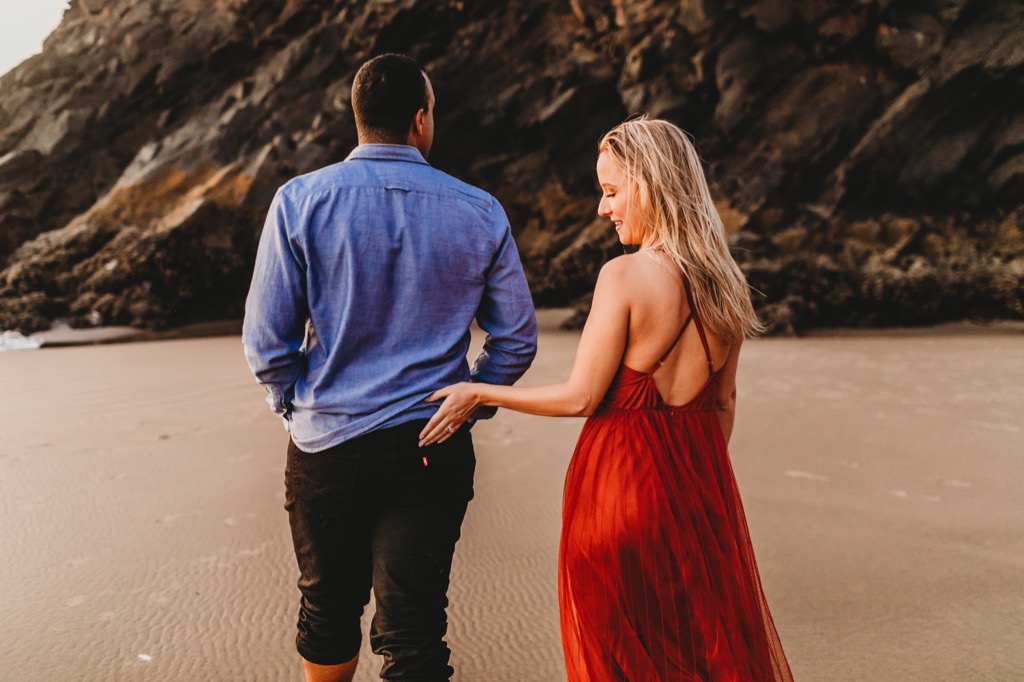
[460, 401]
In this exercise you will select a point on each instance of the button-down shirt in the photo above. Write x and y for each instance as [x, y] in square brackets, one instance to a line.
[368, 276]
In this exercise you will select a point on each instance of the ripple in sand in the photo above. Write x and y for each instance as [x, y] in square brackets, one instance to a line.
[171, 518]
[806, 475]
[957, 484]
[996, 426]
[901, 494]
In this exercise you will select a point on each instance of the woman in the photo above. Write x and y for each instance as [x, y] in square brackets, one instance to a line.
[657, 578]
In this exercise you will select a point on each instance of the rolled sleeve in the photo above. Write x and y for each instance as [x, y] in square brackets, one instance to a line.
[506, 314]
[276, 308]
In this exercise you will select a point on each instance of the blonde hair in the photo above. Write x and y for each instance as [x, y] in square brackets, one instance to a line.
[678, 216]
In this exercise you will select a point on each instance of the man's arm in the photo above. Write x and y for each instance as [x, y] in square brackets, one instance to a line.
[506, 314]
[276, 308]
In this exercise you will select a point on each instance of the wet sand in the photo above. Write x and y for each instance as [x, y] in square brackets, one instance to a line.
[144, 537]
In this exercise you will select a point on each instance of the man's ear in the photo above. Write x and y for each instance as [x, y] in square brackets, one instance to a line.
[416, 127]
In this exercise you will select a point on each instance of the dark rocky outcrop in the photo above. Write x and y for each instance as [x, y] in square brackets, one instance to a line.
[868, 157]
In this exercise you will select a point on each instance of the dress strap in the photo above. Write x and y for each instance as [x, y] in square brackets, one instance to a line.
[700, 327]
[686, 323]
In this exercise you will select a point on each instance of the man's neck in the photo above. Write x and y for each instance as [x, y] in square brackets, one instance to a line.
[371, 139]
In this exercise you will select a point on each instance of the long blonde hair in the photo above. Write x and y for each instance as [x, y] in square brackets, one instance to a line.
[678, 216]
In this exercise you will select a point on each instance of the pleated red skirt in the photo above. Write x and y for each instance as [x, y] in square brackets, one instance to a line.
[657, 578]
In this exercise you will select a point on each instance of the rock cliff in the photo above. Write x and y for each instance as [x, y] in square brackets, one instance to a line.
[867, 157]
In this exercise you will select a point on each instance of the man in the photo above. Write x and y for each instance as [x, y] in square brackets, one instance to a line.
[368, 276]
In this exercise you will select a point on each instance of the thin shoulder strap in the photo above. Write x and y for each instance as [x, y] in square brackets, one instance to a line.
[686, 323]
[700, 326]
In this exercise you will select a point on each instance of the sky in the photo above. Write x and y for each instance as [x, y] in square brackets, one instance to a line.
[23, 26]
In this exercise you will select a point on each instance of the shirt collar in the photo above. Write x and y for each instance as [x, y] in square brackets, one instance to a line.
[387, 152]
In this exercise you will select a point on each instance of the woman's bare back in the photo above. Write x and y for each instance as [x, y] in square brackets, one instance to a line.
[658, 309]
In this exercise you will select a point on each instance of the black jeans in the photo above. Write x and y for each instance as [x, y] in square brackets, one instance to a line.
[379, 510]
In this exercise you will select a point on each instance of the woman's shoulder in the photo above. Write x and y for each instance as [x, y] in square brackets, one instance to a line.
[638, 264]
[640, 279]
[642, 270]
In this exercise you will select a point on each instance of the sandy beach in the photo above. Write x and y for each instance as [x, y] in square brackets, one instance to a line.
[144, 536]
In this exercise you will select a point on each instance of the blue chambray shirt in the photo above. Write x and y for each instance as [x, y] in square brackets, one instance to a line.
[368, 276]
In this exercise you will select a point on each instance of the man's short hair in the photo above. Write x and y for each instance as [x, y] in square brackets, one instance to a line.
[386, 94]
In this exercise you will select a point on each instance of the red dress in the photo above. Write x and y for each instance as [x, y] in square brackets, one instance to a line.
[656, 575]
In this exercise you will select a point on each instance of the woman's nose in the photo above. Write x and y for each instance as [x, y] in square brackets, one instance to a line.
[603, 209]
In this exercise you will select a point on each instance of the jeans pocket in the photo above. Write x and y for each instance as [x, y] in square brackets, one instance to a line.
[322, 484]
[448, 469]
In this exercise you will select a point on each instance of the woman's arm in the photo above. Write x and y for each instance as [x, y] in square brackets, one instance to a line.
[598, 355]
[725, 400]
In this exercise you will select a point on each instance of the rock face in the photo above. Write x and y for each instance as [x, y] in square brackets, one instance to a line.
[868, 157]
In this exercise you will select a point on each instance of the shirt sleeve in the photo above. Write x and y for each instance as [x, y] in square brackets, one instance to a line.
[276, 308]
[506, 314]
